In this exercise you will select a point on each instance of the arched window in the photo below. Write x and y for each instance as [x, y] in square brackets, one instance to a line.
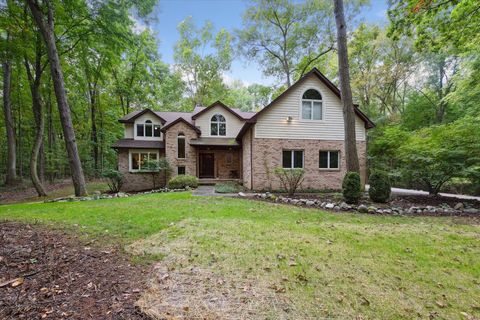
[312, 105]
[181, 146]
[148, 129]
[218, 125]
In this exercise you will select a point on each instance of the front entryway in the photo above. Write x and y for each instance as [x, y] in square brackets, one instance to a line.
[207, 165]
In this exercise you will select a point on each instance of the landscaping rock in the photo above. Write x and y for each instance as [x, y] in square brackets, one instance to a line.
[471, 211]
[310, 203]
[241, 194]
[372, 210]
[459, 206]
[329, 206]
[362, 208]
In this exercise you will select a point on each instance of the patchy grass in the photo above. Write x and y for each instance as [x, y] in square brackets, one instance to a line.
[244, 258]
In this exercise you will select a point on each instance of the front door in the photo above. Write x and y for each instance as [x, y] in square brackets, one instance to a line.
[207, 165]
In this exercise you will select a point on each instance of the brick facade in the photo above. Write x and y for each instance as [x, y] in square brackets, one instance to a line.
[267, 155]
[190, 161]
[137, 181]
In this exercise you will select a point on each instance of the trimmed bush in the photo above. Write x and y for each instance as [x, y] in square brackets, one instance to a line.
[291, 179]
[183, 181]
[115, 180]
[351, 187]
[379, 186]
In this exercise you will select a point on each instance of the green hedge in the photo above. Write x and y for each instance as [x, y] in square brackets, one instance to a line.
[183, 181]
[351, 188]
[379, 186]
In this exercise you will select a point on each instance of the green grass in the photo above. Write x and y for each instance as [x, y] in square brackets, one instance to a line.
[329, 265]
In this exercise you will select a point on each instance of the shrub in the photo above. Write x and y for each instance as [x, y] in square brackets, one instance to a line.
[351, 187]
[227, 187]
[115, 180]
[291, 179]
[183, 181]
[379, 186]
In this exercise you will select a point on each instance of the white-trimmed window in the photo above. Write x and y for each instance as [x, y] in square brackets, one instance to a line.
[181, 146]
[138, 158]
[148, 129]
[218, 125]
[312, 108]
[329, 159]
[292, 159]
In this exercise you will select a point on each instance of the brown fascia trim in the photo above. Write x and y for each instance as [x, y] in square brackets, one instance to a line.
[221, 104]
[368, 123]
[181, 120]
[132, 119]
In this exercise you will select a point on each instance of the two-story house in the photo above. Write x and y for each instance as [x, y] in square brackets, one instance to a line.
[302, 128]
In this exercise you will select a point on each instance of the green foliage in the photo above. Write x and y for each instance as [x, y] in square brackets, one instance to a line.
[227, 187]
[291, 179]
[115, 179]
[183, 181]
[351, 187]
[380, 188]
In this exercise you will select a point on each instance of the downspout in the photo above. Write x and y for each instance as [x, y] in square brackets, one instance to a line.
[251, 157]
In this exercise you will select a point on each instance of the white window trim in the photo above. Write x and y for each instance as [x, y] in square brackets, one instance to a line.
[185, 146]
[144, 137]
[328, 160]
[218, 126]
[139, 151]
[292, 155]
[311, 100]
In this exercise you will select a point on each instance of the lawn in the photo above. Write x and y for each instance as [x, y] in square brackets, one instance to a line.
[238, 258]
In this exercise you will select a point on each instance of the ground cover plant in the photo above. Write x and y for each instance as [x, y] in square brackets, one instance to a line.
[234, 258]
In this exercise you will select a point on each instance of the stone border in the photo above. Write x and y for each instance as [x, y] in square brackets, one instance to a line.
[459, 208]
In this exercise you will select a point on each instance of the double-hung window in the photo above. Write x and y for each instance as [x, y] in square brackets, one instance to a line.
[137, 159]
[312, 108]
[329, 160]
[292, 159]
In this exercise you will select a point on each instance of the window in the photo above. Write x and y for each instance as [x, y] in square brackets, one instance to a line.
[292, 159]
[312, 105]
[148, 129]
[181, 146]
[180, 170]
[137, 158]
[329, 160]
[218, 126]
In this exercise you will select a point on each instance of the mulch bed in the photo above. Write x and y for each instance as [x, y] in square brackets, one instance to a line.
[49, 274]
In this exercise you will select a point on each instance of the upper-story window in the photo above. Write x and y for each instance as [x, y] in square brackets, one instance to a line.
[312, 105]
[218, 125]
[148, 129]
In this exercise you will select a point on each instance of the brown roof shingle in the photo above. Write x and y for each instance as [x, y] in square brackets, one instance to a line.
[140, 144]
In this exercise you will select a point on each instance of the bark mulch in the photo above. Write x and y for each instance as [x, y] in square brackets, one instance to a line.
[49, 274]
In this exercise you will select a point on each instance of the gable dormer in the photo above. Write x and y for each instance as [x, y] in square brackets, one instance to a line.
[218, 121]
[143, 125]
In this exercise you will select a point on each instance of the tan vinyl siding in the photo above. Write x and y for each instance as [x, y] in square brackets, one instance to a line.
[273, 123]
[128, 132]
[233, 123]
[142, 119]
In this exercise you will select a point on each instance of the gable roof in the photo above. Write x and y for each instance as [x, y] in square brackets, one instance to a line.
[242, 115]
[181, 119]
[130, 118]
[368, 123]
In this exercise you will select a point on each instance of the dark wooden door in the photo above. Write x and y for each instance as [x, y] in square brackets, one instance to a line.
[207, 165]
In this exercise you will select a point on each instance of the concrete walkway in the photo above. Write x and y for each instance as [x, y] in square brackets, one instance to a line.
[411, 192]
[209, 191]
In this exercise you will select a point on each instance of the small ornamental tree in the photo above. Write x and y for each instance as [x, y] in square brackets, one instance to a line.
[290, 179]
[115, 180]
[379, 186]
[351, 187]
[183, 181]
[154, 167]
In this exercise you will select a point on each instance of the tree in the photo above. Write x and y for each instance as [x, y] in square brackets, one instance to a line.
[202, 70]
[347, 100]
[280, 34]
[47, 30]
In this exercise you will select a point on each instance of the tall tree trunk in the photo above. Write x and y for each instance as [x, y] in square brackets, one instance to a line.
[346, 91]
[47, 30]
[94, 135]
[11, 177]
[35, 81]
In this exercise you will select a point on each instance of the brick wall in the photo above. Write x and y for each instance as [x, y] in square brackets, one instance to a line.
[267, 155]
[190, 161]
[137, 181]
[246, 165]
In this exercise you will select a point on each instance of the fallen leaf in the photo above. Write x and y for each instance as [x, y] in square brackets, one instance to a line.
[440, 304]
[17, 282]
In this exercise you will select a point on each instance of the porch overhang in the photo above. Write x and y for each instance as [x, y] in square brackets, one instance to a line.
[215, 142]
